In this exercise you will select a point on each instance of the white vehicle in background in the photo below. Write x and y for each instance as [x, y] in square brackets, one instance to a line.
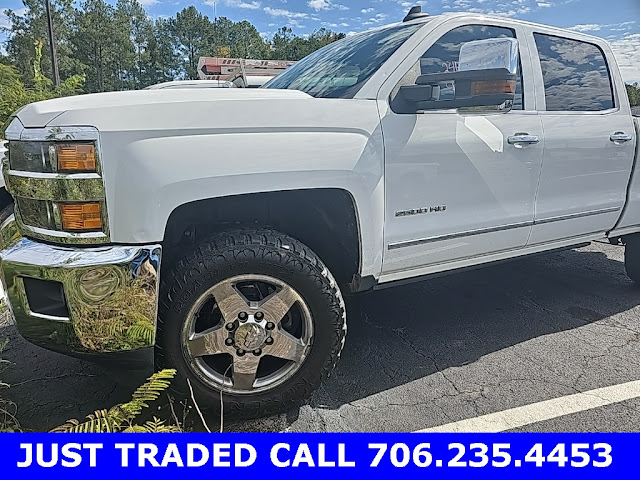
[252, 81]
[191, 84]
[248, 81]
[427, 146]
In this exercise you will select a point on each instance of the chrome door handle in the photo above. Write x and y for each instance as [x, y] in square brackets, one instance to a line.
[519, 140]
[620, 137]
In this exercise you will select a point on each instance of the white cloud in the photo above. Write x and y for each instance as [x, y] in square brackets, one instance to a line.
[627, 52]
[378, 18]
[408, 4]
[503, 8]
[622, 27]
[293, 18]
[318, 5]
[586, 27]
[247, 5]
[147, 3]
[281, 12]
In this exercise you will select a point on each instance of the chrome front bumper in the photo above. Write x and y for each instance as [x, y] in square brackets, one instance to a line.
[110, 293]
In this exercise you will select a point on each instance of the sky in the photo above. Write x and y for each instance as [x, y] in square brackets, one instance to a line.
[616, 20]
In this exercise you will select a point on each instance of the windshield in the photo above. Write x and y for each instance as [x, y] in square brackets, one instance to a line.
[340, 69]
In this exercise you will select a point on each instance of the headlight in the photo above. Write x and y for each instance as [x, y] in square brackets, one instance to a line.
[51, 157]
[55, 177]
[30, 156]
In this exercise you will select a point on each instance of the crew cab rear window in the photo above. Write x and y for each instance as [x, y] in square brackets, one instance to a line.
[576, 76]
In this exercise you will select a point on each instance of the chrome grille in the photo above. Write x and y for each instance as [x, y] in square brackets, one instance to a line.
[35, 213]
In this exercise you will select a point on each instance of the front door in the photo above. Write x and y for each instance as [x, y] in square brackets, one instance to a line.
[458, 185]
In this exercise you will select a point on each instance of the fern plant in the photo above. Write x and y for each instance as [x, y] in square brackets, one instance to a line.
[8, 421]
[153, 426]
[120, 418]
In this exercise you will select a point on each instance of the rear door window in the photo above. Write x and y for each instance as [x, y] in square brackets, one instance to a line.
[576, 76]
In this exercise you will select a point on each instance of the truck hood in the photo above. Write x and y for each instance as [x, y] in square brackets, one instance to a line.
[41, 114]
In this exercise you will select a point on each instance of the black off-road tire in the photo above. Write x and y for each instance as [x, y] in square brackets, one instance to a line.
[632, 257]
[251, 251]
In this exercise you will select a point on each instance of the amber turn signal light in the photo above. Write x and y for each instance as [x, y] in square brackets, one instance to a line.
[489, 87]
[76, 158]
[80, 216]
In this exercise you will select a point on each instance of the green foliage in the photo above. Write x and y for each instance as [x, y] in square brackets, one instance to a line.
[119, 47]
[14, 94]
[288, 46]
[153, 426]
[634, 94]
[26, 28]
[121, 417]
[8, 422]
[191, 32]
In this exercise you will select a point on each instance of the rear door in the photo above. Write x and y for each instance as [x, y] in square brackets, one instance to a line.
[589, 148]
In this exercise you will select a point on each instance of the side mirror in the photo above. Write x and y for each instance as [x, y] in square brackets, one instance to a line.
[486, 77]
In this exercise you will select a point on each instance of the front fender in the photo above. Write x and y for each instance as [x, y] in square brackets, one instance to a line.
[160, 174]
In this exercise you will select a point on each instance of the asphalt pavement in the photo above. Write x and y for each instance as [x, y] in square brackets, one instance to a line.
[427, 354]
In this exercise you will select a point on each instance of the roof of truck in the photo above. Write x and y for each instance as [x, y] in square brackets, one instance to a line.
[486, 17]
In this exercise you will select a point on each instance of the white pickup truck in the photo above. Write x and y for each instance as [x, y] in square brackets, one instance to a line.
[432, 145]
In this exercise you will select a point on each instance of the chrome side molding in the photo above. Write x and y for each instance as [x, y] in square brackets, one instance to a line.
[481, 231]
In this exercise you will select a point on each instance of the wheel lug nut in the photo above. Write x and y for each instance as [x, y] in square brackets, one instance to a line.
[240, 352]
[257, 352]
[271, 326]
[242, 316]
[230, 326]
[259, 316]
[269, 341]
[229, 341]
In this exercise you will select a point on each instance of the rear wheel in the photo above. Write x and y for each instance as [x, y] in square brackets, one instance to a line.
[632, 257]
[254, 315]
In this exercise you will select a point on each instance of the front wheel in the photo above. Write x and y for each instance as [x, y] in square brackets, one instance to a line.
[253, 315]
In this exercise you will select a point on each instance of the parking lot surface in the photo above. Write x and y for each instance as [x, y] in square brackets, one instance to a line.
[427, 354]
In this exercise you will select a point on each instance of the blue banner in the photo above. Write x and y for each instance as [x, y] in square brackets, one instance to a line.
[316, 455]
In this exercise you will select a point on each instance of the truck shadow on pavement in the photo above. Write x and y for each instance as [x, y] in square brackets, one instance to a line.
[402, 334]
[396, 336]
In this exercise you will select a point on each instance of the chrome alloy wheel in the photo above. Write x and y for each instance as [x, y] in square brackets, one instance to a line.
[247, 334]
